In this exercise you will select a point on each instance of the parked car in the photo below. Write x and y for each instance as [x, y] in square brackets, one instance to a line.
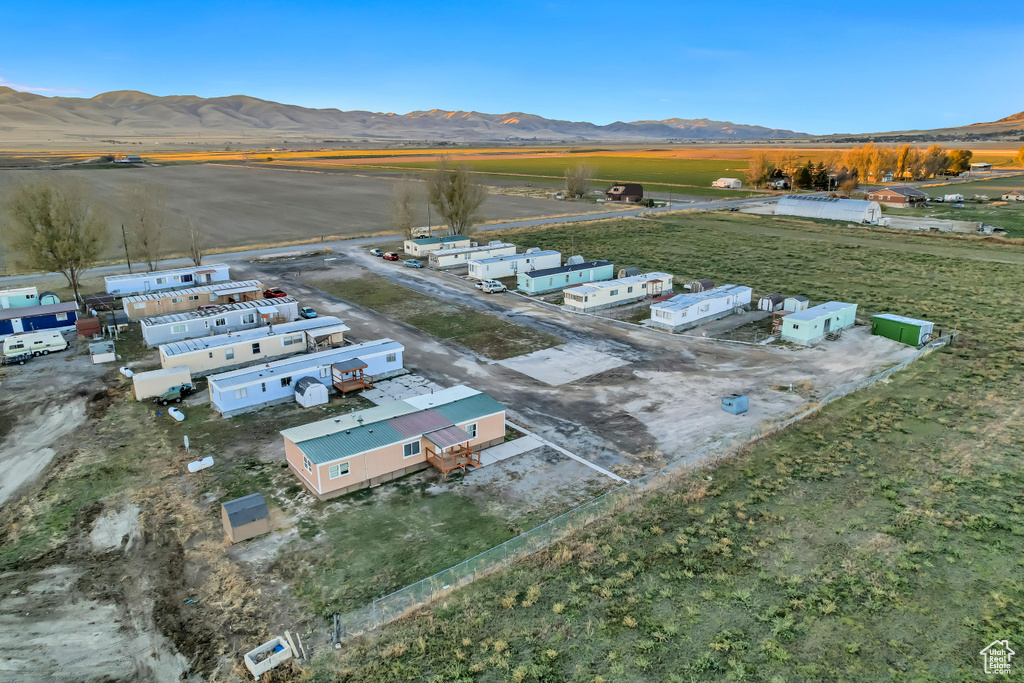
[175, 394]
[307, 312]
[16, 359]
[734, 208]
[492, 287]
[376, 252]
[390, 256]
[413, 263]
[274, 293]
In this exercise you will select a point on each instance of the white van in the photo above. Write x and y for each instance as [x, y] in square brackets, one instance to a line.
[36, 343]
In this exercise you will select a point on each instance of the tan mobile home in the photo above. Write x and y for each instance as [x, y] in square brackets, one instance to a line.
[177, 300]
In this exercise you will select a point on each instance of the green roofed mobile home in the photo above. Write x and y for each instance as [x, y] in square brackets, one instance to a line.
[906, 330]
[812, 324]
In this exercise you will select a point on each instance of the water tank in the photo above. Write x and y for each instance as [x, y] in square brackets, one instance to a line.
[197, 465]
[574, 261]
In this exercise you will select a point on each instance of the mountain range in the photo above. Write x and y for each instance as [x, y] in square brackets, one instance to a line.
[131, 114]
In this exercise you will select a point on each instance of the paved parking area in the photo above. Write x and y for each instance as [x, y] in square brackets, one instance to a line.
[400, 388]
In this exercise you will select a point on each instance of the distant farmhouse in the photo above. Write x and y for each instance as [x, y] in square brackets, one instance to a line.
[625, 192]
[1015, 196]
[128, 159]
[899, 196]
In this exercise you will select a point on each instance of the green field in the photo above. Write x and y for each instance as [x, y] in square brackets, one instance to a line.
[880, 540]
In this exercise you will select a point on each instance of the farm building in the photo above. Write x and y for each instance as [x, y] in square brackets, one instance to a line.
[906, 330]
[176, 300]
[812, 324]
[222, 352]
[700, 285]
[258, 386]
[770, 302]
[424, 245]
[161, 329]
[728, 183]
[506, 266]
[980, 167]
[128, 159]
[155, 382]
[245, 517]
[443, 259]
[21, 297]
[898, 196]
[829, 208]
[51, 317]
[795, 303]
[551, 279]
[177, 278]
[625, 192]
[688, 310]
[605, 294]
[1014, 196]
[446, 429]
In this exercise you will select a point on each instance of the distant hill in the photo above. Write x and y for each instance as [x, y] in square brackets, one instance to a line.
[1009, 128]
[132, 114]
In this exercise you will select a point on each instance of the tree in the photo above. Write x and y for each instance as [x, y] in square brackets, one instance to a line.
[196, 244]
[959, 160]
[759, 169]
[52, 227]
[402, 207]
[145, 223]
[849, 185]
[1020, 156]
[802, 178]
[577, 180]
[456, 196]
[936, 161]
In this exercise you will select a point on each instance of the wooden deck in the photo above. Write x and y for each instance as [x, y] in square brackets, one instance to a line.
[455, 458]
[350, 380]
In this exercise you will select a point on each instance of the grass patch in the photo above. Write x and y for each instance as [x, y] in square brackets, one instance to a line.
[483, 333]
[1009, 215]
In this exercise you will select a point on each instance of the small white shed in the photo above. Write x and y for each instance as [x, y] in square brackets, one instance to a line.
[309, 392]
[771, 302]
[795, 303]
[102, 352]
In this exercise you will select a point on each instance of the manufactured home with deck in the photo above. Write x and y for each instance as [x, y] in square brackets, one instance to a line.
[177, 300]
[552, 279]
[162, 329]
[446, 430]
[811, 325]
[453, 258]
[177, 278]
[425, 245]
[689, 310]
[597, 295]
[507, 266]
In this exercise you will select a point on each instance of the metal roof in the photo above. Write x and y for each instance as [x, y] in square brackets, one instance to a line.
[589, 265]
[161, 273]
[903, 319]
[818, 311]
[447, 437]
[296, 364]
[305, 383]
[519, 257]
[831, 208]
[681, 301]
[349, 364]
[441, 397]
[219, 340]
[620, 282]
[327, 330]
[247, 509]
[18, 291]
[264, 305]
[419, 422]
[36, 311]
[340, 423]
[469, 250]
[97, 348]
[219, 288]
[351, 441]
[470, 408]
[774, 298]
[902, 190]
[798, 297]
[440, 240]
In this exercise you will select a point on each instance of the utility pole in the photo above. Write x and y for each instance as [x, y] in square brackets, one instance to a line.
[124, 236]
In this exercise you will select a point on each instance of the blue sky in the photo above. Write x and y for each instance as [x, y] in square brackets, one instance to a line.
[809, 67]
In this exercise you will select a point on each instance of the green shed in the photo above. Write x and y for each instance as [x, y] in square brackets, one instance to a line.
[899, 328]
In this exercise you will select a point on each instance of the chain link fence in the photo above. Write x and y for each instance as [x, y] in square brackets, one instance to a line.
[390, 607]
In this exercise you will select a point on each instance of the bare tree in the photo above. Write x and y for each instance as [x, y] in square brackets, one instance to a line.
[146, 223]
[577, 180]
[196, 243]
[402, 206]
[52, 227]
[456, 196]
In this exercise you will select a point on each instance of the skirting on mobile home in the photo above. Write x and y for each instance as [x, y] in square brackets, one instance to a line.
[218, 320]
[597, 295]
[226, 351]
[689, 310]
[57, 317]
[507, 266]
[177, 278]
[812, 324]
[265, 384]
[177, 300]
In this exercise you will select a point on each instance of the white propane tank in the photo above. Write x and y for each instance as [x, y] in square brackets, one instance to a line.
[197, 465]
[126, 372]
[176, 414]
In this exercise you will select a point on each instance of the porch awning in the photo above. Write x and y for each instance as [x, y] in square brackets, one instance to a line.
[349, 365]
[447, 437]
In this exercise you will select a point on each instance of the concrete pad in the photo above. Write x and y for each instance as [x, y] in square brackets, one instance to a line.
[399, 389]
[563, 364]
[509, 449]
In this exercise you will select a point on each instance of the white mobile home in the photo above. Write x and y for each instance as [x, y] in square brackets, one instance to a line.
[688, 310]
[20, 297]
[453, 258]
[594, 296]
[225, 351]
[175, 300]
[176, 278]
[812, 324]
[507, 266]
[162, 329]
[424, 245]
[255, 387]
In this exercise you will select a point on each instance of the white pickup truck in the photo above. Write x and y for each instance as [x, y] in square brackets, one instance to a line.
[490, 286]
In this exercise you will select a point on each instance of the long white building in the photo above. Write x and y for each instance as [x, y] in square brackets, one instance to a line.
[161, 329]
[594, 296]
[829, 208]
[176, 278]
[507, 266]
[688, 310]
[453, 258]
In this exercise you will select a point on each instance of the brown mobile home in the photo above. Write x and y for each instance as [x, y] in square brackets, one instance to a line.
[175, 301]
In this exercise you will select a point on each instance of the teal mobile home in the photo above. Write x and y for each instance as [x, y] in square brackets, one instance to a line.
[812, 324]
[552, 279]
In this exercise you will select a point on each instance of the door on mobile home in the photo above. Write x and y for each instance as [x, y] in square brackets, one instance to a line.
[828, 325]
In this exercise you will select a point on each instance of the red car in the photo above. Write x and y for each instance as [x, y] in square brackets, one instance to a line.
[391, 256]
[274, 293]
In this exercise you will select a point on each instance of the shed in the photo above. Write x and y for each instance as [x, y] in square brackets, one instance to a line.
[701, 285]
[88, 327]
[771, 302]
[245, 517]
[829, 208]
[632, 271]
[102, 352]
[156, 382]
[625, 192]
[735, 403]
[728, 183]
[899, 328]
[795, 303]
[48, 299]
[310, 392]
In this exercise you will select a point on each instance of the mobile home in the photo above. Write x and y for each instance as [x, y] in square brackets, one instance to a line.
[226, 351]
[176, 278]
[552, 279]
[689, 310]
[425, 245]
[812, 324]
[453, 258]
[902, 329]
[507, 266]
[58, 317]
[265, 384]
[605, 294]
[177, 300]
[446, 429]
[218, 320]
[20, 297]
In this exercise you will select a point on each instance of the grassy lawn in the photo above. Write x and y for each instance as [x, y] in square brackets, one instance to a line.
[879, 540]
[486, 334]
